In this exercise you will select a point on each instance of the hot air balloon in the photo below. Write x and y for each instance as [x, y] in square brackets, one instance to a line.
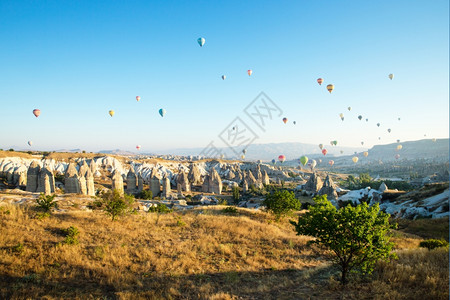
[365, 153]
[349, 108]
[36, 112]
[330, 88]
[331, 162]
[285, 120]
[360, 117]
[342, 151]
[274, 161]
[362, 143]
[222, 156]
[294, 122]
[304, 160]
[433, 139]
[379, 138]
[399, 119]
[331, 143]
[30, 143]
[224, 77]
[138, 98]
[367, 120]
[249, 72]
[234, 128]
[334, 143]
[162, 112]
[324, 151]
[355, 159]
[281, 158]
[244, 151]
[378, 124]
[320, 161]
[391, 76]
[111, 113]
[319, 81]
[399, 147]
[321, 146]
[398, 141]
[312, 164]
[201, 41]
[397, 156]
[389, 130]
[138, 147]
[342, 116]
[242, 156]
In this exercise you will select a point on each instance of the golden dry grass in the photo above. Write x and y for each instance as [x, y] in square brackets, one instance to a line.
[198, 254]
[4, 154]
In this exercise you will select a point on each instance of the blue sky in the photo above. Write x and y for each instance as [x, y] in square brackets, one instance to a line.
[76, 60]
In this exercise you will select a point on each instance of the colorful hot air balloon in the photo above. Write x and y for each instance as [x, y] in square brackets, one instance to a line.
[319, 81]
[342, 151]
[111, 113]
[321, 146]
[138, 98]
[331, 162]
[365, 153]
[201, 41]
[389, 130]
[30, 143]
[274, 161]
[397, 156]
[360, 117]
[312, 164]
[249, 72]
[334, 143]
[367, 120]
[304, 160]
[378, 124]
[433, 139]
[244, 151]
[398, 141]
[330, 88]
[324, 151]
[355, 159]
[224, 77]
[362, 143]
[349, 108]
[294, 122]
[138, 147]
[285, 120]
[36, 112]
[281, 158]
[242, 156]
[162, 112]
[342, 116]
[399, 147]
[391, 76]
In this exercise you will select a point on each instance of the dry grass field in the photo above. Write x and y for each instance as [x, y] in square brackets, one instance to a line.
[197, 254]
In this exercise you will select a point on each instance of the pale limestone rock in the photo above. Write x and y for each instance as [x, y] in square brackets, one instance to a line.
[205, 185]
[41, 182]
[182, 180]
[265, 179]
[215, 183]
[154, 183]
[47, 187]
[83, 169]
[90, 183]
[166, 187]
[83, 187]
[33, 177]
[245, 186]
[383, 187]
[329, 189]
[117, 182]
[194, 175]
[131, 181]
[140, 183]
[314, 183]
[72, 182]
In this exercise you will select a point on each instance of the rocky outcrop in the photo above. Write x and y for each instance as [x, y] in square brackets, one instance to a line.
[245, 186]
[140, 183]
[205, 185]
[33, 177]
[90, 188]
[154, 183]
[194, 176]
[183, 182]
[215, 183]
[83, 169]
[383, 187]
[166, 187]
[329, 189]
[265, 178]
[314, 183]
[42, 187]
[131, 181]
[117, 182]
[93, 166]
[72, 182]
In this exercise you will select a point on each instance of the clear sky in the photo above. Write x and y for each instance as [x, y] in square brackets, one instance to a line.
[76, 60]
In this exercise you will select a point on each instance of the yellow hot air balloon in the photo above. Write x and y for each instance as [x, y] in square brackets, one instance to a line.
[433, 139]
[355, 159]
[399, 147]
[330, 88]
[365, 153]
[342, 116]
[391, 76]
[111, 113]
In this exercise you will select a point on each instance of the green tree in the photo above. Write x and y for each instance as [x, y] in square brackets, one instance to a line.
[432, 243]
[46, 202]
[145, 194]
[356, 236]
[114, 204]
[236, 194]
[281, 202]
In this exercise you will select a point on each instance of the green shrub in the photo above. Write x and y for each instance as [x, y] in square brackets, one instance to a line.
[230, 210]
[432, 243]
[71, 235]
[160, 208]
[114, 204]
[236, 195]
[18, 248]
[180, 222]
[145, 195]
[281, 202]
[356, 236]
[46, 202]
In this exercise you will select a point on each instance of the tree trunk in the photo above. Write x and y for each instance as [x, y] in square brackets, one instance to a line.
[344, 274]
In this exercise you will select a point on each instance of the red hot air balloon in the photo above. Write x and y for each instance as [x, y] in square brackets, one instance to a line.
[36, 112]
[285, 120]
[324, 151]
[331, 162]
[281, 158]
[138, 147]
[138, 98]
[249, 72]
[319, 81]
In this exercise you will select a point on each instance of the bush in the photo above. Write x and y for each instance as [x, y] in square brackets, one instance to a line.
[145, 195]
[71, 235]
[432, 243]
[281, 202]
[230, 210]
[18, 248]
[46, 202]
[236, 194]
[356, 236]
[114, 204]
[160, 208]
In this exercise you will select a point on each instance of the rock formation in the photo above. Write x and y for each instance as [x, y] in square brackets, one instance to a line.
[183, 182]
[117, 182]
[194, 175]
[131, 181]
[329, 189]
[83, 169]
[32, 177]
[90, 188]
[140, 183]
[215, 183]
[314, 183]
[72, 182]
[383, 187]
[42, 186]
[265, 178]
[166, 187]
[154, 183]
[205, 185]
[245, 186]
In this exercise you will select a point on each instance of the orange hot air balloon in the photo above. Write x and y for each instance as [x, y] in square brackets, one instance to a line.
[285, 120]
[138, 98]
[331, 162]
[355, 159]
[36, 112]
[319, 81]
[365, 153]
[249, 72]
[324, 151]
[330, 88]
[281, 158]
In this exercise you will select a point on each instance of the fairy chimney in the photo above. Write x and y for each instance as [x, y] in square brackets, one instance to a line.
[32, 177]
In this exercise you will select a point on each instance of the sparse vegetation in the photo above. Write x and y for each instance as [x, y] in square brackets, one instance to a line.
[160, 209]
[230, 210]
[236, 194]
[356, 236]
[114, 204]
[71, 235]
[432, 244]
[364, 180]
[281, 202]
[145, 195]
[46, 203]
